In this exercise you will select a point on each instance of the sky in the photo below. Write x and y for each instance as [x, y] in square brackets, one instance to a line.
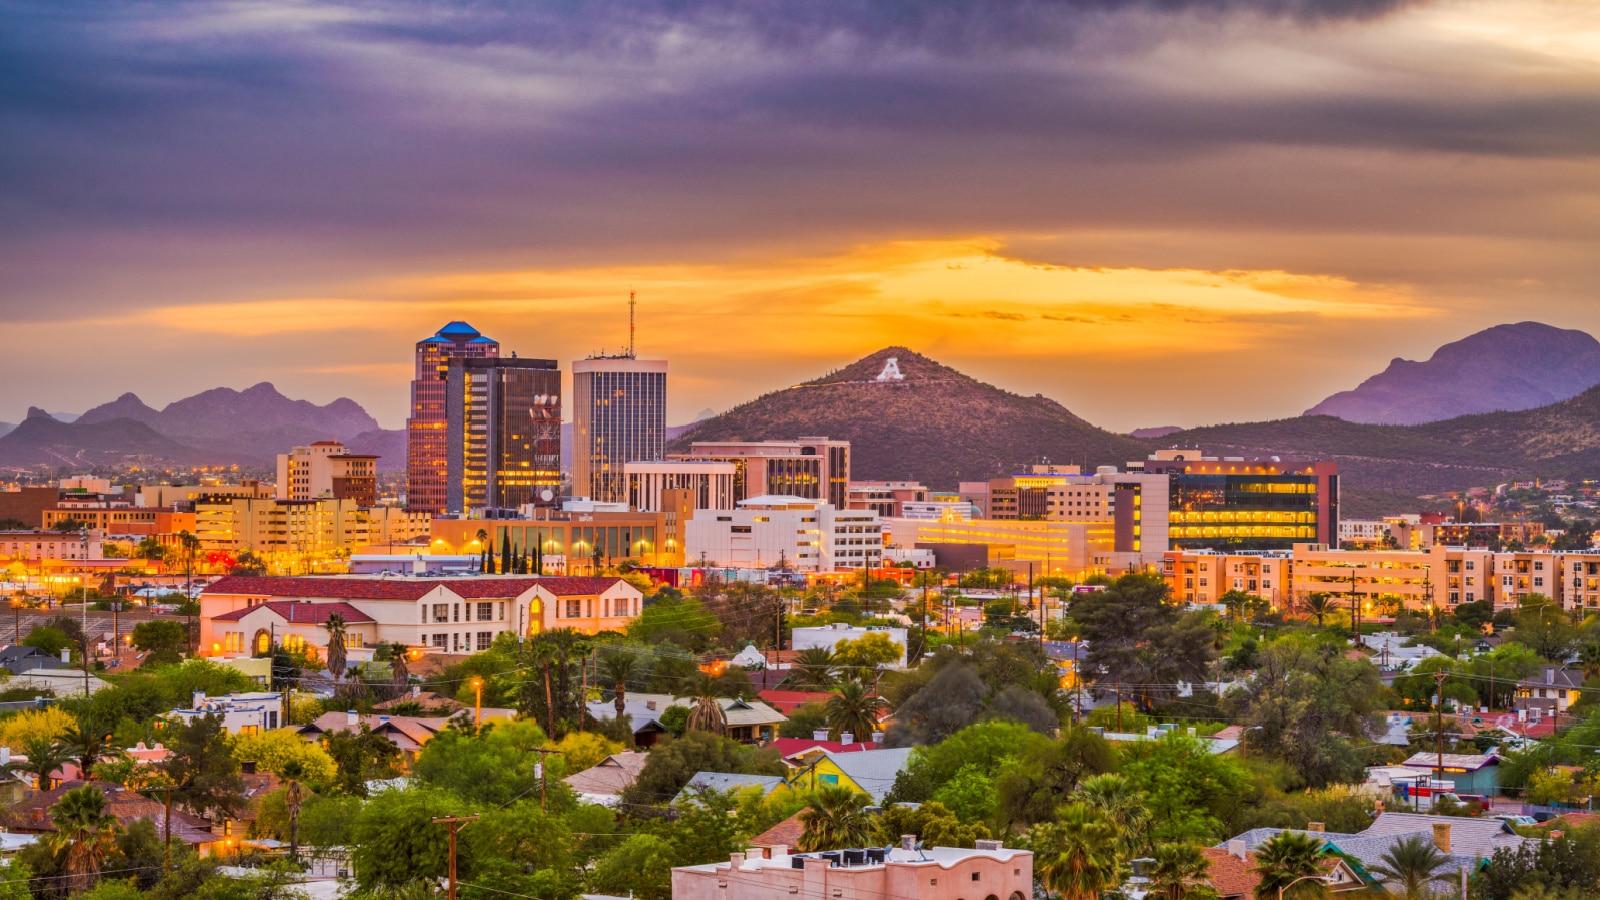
[1158, 212]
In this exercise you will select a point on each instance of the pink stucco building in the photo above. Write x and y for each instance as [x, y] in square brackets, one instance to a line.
[991, 872]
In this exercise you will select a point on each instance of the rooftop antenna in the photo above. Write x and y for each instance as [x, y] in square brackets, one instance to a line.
[632, 302]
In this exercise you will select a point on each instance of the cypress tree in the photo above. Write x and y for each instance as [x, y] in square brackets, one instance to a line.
[505, 552]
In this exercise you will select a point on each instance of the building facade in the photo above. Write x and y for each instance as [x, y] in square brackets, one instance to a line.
[298, 531]
[503, 428]
[708, 482]
[568, 542]
[812, 468]
[886, 498]
[325, 468]
[794, 532]
[990, 872]
[619, 415]
[427, 442]
[1232, 503]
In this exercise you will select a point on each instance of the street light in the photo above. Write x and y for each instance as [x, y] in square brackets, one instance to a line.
[477, 709]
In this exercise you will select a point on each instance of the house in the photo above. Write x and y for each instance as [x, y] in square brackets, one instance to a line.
[872, 773]
[32, 815]
[602, 784]
[787, 701]
[1213, 743]
[1231, 872]
[781, 836]
[938, 873]
[801, 752]
[644, 716]
[1473, 773]
[247, 615]
[722, 782]
[1474, 838]
[241, 713]
[428, 702]
[18, 659]
[408, 733]
[1362, 852]
[61, 682]
[1551, 690]
[749, 721]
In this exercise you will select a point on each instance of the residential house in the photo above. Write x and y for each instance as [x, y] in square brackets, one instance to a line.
[872, 773]
[241, 713]
[1550, 691]
[787, 701]
[1362, 852]
[247, 615]
[749, 721]
[1232, 872]
[427, 703]
[801, 752]
[602, 784]
[644, 716]
[60, 682]
[32, 815]
[408, 733]
[1475, 838]
[937, 873]
[1473, 773]
[723, 782]
[17, 659]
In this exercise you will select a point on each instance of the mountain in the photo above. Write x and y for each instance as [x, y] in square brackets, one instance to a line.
[1507, 367]
[219, 426]
[389, 445]
[1160, 431]
[932, 424]
[42, 440]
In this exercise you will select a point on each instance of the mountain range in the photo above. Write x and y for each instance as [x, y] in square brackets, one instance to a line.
[1507, 367]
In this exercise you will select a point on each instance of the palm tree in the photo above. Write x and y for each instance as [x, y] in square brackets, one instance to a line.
[484, 565]
[1122, 805]
[294, 796]
[86, 745]
[706, 715]
[1589, 660]
[853, 709]
[44, 758]
[1411, 865]
[1180, 872]
[1076, 855]
[617, 667]
[399, 675]
[1286, 858]
[813, 667]
[1319, 605]
[86, 831]
[336, 655]
[836, 818]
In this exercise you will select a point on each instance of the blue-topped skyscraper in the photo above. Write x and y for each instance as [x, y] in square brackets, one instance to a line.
[427, 439]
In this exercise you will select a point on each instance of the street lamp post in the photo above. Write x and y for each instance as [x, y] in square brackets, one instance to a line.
[83, 568]
[477, 706]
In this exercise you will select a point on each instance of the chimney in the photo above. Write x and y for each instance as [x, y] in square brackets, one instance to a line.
[735, 860]
[754, 853]
[198, 700]
[1441, 836]
[908, 843]
[352, 718]
[1236, 848]
[821, 734]
[1318, 827]
[847, 738]
[649, 704]
[36, 815]
[5, 755]
[988, 845]
[416, 690]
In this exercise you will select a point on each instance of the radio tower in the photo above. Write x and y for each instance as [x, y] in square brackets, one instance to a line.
[632, 301]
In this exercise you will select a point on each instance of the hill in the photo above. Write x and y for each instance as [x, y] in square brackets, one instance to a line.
[1507, 367]
[41, 440]
[933, 424]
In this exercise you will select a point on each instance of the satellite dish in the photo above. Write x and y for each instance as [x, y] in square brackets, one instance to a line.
[547, 495]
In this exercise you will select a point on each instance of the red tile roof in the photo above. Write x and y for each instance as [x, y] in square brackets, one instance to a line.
[1229, 874]
[345, 588]
[301, 611]
[788, 747]
[786, 701]
[32, 815]
[786, 833]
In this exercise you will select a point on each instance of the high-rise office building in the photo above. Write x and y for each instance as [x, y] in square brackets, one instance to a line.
[427, 475]
[619, 415]
[1247, 504]
[503, 428]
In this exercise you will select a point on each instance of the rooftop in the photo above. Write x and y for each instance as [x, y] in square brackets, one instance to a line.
[467, 587]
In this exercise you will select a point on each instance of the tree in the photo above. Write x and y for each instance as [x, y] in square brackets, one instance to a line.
[1076, 855]
[336, 652]
[1180, 873]
[204, 770]
[1137, 638]
[50, 640]
[360, 756]
[294, 797]
[869, 651]
[1589, 660]
[672, 762]
[493, 765]
[950, 702]
[837, 818]
[812, 669]
[275, 750]
[85, 831]
[1121, 804]
[1032, 787]
[396, 843]
[248, 562]
[617, 666]
[853, 710]
[44, 758]
[86, 743]
[805, 720]
[1411, 866]
[640, 867]
[1026, 706]
[161, 634]
[989, 747]
[1289, 856]
[49, 724]
[1187, 788]
[1318, 605]
[706, 714]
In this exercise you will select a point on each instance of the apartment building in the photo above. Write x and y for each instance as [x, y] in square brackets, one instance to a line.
[812, 468]
[886, 498]
[1203, 576]
[327, 469]
[301, 527]
[247, 616]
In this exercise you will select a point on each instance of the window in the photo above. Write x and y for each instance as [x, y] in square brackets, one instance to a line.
[250, 729]
[574, 609]
[441, 612]
[485, 612]
[455, 610]
[485, 638]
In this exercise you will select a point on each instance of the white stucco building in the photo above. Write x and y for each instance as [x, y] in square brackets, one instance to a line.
[771, 530]
[242, 713]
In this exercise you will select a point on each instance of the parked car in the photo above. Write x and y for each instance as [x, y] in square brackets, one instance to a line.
[1512, 819]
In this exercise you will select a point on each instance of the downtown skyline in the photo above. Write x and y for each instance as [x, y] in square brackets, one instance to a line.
[1174, 213]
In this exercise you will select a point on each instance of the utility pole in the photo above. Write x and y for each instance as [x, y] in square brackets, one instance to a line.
[1439, 678]
[453, 824]
[166, 863]
[84, 580]
[1119, 707]
[544, 772]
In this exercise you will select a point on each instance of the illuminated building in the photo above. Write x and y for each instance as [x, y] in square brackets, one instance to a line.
[794, 532]
[1074, 549]
[247, 616]
[324, 468]
[301, 532]
[619, 415]
[503, 433]
[427, 446]
[709, 483]
[886, 498]
[568, 542]
[812, 468]
[1133, 503]
[1237, 504]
